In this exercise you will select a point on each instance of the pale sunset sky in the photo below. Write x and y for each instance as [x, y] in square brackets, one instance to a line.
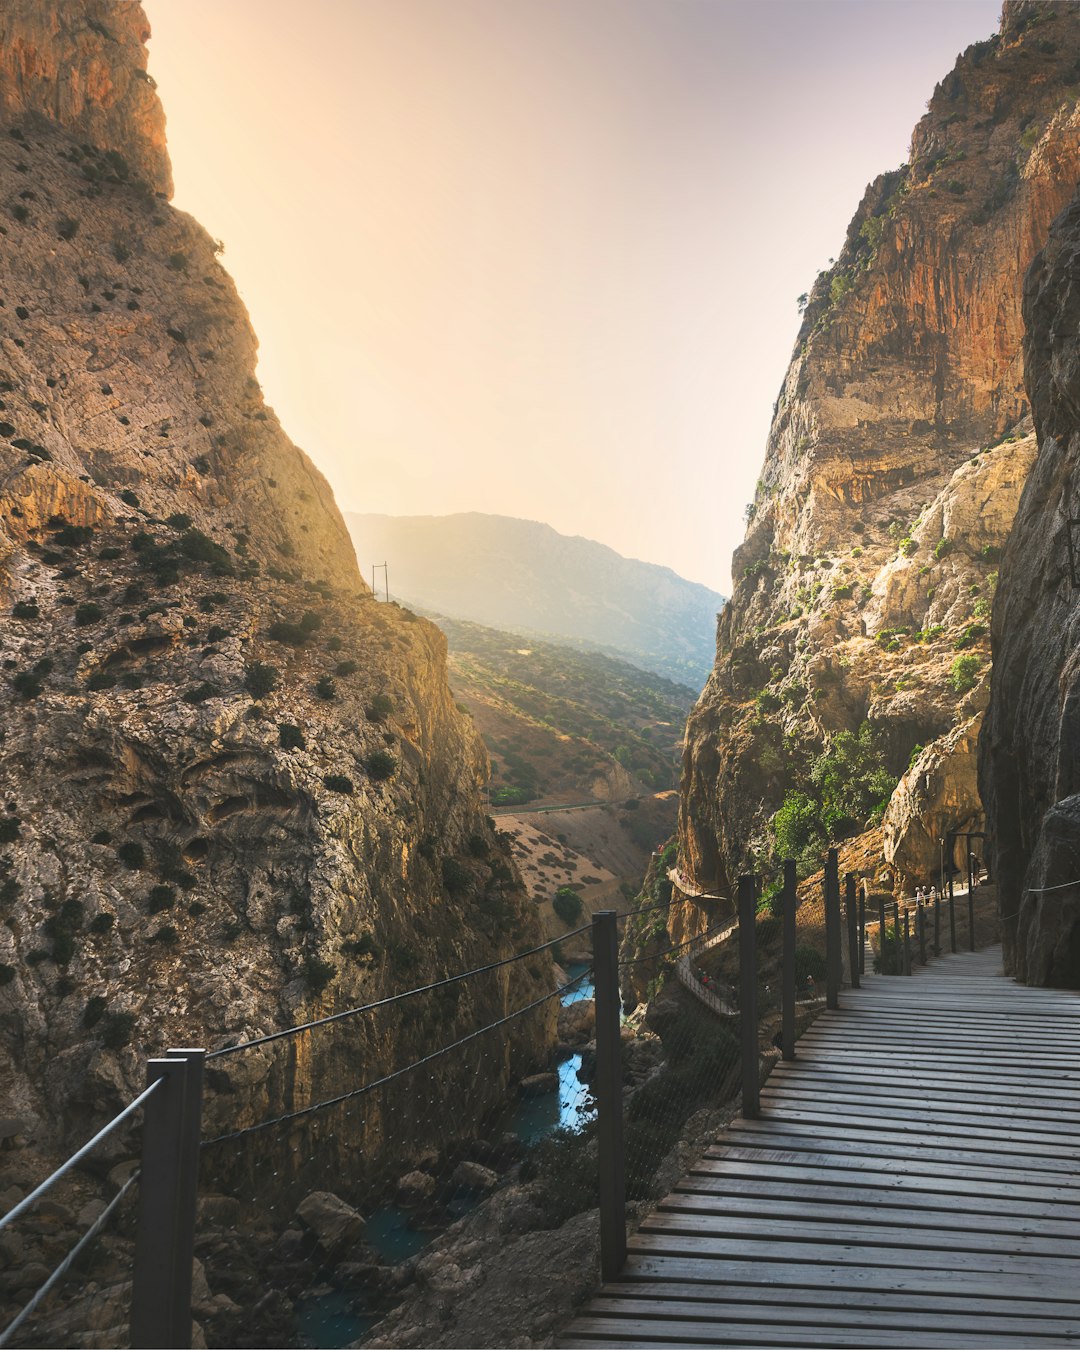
[540, 257]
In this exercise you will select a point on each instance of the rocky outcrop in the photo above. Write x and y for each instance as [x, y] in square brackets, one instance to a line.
[236, 793]
[899, 447]
[82, 66]
[1029, 754]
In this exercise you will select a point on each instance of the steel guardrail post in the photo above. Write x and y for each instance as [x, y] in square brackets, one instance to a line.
[920, 932]
[862, 929]
[609, 1106]
[787, 1016]
[748, 1027]
[881, 932]
[833, 952]
[189, 1186]
[907, 943]
[937, 924]
[971, 899]
[153, 1323]
[852, 928]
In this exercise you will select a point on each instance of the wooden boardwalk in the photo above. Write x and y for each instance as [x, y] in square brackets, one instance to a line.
[914, 1180]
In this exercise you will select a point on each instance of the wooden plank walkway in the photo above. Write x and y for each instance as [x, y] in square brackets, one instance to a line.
[914, 1180]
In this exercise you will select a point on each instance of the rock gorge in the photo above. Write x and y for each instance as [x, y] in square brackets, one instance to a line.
[236, 793]
[900, 444]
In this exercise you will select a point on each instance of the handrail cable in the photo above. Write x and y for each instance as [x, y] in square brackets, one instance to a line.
[66, 1167]
[397, 1073]
[391, 998]
[658, 956]
[421, 989]
[1042, 890]
[69, 1260]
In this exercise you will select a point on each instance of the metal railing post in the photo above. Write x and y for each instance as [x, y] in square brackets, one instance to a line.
[920, 932]
[881, 931]
[937, 924]
[852, 929]
[189, 1187]
[862, 929]
[833, 951]
[787, 1016]
[898, 939]
[952, 918]
[748, 1027]
[153, 1306]
[907, 943]
[609, 1108]
[971, 900]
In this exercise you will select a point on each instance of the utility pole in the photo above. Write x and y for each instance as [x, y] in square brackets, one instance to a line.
[386, 579]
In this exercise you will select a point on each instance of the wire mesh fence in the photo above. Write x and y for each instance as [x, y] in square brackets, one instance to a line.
[317, 1213]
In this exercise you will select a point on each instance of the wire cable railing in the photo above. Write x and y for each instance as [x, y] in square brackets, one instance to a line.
[397, 1117]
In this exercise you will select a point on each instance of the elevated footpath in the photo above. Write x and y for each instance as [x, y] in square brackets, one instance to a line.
[913, 1180]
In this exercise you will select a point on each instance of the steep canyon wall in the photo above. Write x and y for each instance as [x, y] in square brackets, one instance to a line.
[900, 444]
[235, 792]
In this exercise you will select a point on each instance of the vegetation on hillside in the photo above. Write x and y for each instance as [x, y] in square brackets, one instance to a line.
[555, 720]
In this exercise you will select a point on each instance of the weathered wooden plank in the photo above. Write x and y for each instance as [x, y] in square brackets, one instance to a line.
[766, 1276]
[874, 1207]
[860, 1250]
[820, 1185]
[974, 1319]
[895, 1105]
[900, 1239]
[1037, 1152]
[845, 1298]
[645, 1331]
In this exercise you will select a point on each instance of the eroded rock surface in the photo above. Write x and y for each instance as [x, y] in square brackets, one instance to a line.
[235, 792]
[898, 451]
[1029, 762]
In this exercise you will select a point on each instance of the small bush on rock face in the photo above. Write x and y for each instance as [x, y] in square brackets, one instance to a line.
[455, 876]
[567, 905]
[290, 737]
[380, 765]
[25, 609]
[129, 498]
[201, 692]
[7, 974]
[260, 679]
[325, 688]
[9, 829]
[94, 1011]
[101, 923]
[27, 684]
[88, 613]
[132, 854]
[317, 975]
[346, 668]
[116, 1030]
[337, 782]
[380, 708]
[161, 897]
[964, 673]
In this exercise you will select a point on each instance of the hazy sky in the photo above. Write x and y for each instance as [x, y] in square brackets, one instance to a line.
[540, 257]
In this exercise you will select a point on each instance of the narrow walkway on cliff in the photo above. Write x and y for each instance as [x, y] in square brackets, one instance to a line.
[913, 1180]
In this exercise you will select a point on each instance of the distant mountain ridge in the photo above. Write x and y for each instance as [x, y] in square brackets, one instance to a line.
[524, 576]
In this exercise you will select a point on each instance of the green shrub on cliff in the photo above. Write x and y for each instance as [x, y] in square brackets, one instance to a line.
[964, 673]
[567, 905]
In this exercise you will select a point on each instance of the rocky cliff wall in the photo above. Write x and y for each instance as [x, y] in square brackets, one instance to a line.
[235, 792]
[899, 447]
[1029, 762]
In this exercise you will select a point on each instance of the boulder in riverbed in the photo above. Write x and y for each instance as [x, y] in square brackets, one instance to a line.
[334, 1223]
[539, 1084]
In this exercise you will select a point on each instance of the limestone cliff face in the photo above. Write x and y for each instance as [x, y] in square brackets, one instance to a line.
[235, 792]
[83, 67]
[1029, 758]
[898, 450]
